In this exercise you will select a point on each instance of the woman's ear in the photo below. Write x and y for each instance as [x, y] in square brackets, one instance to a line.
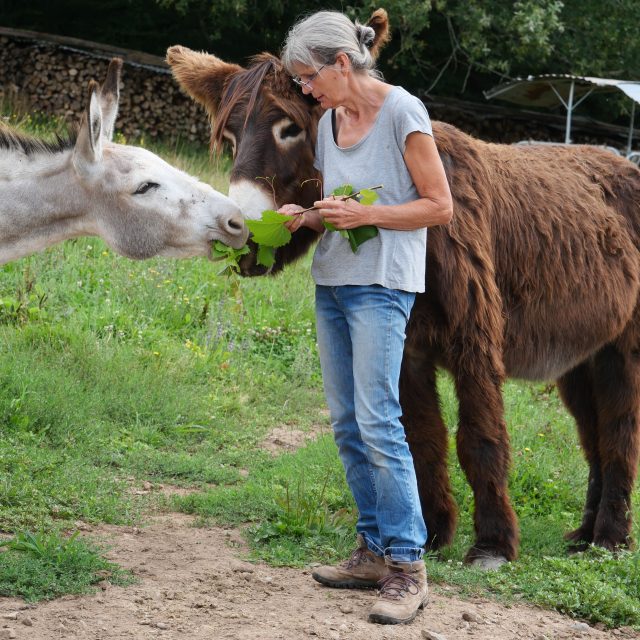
[342, 59]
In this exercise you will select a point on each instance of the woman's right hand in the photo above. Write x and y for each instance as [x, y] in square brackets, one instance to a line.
[297, 218]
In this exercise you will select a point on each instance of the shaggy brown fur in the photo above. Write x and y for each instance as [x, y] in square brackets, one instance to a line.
[536, 277]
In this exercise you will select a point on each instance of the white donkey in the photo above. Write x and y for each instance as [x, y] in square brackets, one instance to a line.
[90, 186]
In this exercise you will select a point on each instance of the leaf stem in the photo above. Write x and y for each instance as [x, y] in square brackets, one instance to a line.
[351, 195]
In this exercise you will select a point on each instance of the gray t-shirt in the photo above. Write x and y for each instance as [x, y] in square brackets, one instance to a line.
[393, 259]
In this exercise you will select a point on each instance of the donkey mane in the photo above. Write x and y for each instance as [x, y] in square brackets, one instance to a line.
[12, 140]
[242, 91]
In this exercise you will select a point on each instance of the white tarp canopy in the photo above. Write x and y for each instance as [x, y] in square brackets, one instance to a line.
[570, 91]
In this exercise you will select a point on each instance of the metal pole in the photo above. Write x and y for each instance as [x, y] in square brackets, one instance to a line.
[567, 133]
[633, 113]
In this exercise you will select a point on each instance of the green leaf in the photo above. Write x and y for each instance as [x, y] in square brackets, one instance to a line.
[228, 257]
[330, 227]
[361, 234]
[270, 230]
[266, 255]
[368, 196]
[344, 190]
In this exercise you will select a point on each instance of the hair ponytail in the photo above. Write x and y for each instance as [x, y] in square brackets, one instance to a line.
[320, 37]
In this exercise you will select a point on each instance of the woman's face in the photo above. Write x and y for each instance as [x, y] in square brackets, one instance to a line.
[322, 82]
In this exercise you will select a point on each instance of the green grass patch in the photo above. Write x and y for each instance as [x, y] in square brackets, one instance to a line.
[43, 566]
[114, 372]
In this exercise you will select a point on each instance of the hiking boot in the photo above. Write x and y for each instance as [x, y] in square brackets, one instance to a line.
[401, 593]
[363, 570]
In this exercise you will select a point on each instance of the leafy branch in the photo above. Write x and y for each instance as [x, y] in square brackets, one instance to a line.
[269, 233]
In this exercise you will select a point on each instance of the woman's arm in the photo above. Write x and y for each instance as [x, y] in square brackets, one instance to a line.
[432, 208]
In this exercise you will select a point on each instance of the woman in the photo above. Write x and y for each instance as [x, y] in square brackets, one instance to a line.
[371, 133]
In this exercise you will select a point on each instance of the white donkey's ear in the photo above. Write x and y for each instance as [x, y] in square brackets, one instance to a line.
[109, 97]
[88, 149]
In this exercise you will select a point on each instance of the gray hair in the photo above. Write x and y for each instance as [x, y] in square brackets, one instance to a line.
[320, 37]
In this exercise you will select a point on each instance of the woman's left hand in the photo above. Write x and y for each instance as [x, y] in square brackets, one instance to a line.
[343, 214]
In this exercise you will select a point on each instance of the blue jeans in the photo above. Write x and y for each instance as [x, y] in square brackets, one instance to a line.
[361, 333]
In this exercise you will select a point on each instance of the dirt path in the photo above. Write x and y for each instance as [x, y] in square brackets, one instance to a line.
[194, 584]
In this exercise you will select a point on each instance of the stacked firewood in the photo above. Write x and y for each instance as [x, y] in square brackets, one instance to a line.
[49, 74]
[37, 76]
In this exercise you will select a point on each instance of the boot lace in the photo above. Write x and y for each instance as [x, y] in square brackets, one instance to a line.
[396, 585]
[359, 556]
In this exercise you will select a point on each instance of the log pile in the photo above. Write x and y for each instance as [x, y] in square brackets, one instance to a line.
[37, 75]
[50, 74]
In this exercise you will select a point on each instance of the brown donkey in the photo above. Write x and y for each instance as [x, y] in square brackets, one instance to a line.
[536, 277]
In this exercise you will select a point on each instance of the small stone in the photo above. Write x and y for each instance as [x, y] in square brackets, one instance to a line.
[432, 635]
[147, 486]
[581, 627]
[27, 622]
[541, 637]
[161, 625]
[346, 608]
[471, 617]
[10, 616]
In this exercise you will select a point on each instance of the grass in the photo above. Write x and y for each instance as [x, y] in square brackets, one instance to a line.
[114, 373]
[47, 565]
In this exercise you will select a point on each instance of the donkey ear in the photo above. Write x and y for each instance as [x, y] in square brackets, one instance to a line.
[88, 149]
[379, 22]
[201, 75]
[109, 97]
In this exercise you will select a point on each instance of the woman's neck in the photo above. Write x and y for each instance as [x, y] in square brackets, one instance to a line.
[364, 99]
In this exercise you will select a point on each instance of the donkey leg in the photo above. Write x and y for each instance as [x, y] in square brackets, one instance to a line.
[617, 385]
[427, 437]
[483, 451]
[577, 392]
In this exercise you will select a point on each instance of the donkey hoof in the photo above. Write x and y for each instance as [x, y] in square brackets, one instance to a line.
[490, 563]
[485, 560]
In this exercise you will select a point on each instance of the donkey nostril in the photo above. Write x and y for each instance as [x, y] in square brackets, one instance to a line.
[235, 225]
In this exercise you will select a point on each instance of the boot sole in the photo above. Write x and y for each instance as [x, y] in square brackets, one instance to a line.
[382, 619]
[344, 584]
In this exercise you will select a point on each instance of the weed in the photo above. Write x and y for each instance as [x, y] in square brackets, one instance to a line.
[37, 566]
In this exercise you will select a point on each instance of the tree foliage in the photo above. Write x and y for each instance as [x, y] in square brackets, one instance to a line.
[451, 47]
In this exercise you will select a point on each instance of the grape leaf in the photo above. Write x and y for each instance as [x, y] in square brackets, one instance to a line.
[344, 190]
[266, 255]
[228, 257]
[368, 196]
[329, 227]
[270, 230]
[361, 234]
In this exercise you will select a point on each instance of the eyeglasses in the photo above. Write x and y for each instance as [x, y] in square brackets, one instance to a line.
[307, 83]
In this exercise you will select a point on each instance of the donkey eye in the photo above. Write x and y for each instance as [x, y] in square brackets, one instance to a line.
[144, 187]
[291, 131]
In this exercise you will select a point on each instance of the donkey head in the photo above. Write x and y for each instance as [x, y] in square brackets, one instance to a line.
[141, 205]
[264, 120]
[270, 127]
